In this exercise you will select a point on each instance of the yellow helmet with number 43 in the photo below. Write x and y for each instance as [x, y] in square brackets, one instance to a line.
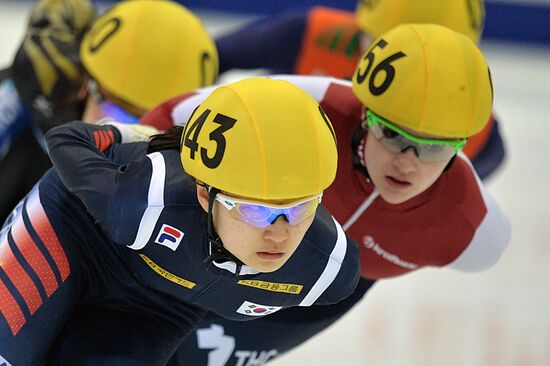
[260, 138]
[427, 78]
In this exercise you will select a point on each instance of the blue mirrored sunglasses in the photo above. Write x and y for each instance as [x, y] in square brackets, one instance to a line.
[110, 109]
[116, 112]
[262, 215]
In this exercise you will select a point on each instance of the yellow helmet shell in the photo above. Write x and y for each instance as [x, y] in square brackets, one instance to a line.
[146, 51]
[260, 138]
[427, 78]
[376, 17]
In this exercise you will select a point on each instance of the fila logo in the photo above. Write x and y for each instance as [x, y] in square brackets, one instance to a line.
[169, 236]
[252, 309]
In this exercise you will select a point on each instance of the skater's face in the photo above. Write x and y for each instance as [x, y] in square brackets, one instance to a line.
[403, 163]
[262, 234]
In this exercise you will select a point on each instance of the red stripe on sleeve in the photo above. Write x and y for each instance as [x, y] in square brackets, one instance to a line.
[107, 140]
[103, 139]
[10, 309]
[20, 279]
[34, 257]
[45, 231]
[97, 137]
[111, 136]
[103, 145]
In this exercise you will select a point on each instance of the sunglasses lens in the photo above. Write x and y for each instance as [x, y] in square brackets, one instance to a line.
[256, 215]
[397, 143]
[302, 211]
[388, 133]
[117, 113]
[433, 153]
[262, 216]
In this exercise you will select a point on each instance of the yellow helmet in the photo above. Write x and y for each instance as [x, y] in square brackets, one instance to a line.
[427, 78]
[146, 51]
[376, 17]
[260, 138]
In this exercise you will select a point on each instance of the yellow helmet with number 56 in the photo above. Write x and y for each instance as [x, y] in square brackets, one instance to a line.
[376, 17]
[260, 138]
[427, 78]
[146, 51]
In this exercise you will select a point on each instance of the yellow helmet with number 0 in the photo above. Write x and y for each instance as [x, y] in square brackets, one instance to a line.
[146, 51]
[376, 17]
[260, 138]
[427, 78]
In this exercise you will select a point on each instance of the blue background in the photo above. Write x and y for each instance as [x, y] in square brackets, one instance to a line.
[520, 20]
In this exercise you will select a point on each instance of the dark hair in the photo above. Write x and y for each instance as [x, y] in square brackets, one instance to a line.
[169, 140]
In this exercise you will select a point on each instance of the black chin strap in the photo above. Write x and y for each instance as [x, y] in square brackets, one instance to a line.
[450, 163]
[218, 253]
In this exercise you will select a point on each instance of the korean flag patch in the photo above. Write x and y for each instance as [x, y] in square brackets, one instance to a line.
[169, 236]
[252, 309]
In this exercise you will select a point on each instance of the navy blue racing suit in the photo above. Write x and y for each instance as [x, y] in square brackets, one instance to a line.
[103, 262]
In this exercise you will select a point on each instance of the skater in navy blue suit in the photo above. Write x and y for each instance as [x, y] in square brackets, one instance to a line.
[119, 250]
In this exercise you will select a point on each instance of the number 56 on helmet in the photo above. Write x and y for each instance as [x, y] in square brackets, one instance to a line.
[427, 78]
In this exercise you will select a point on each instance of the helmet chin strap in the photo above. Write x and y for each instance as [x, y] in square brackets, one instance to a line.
[450, 163]
[218, 253]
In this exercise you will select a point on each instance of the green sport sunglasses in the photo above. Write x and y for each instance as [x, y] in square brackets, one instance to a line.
[398, 141]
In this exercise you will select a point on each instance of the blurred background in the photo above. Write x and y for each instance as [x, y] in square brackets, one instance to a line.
[434, 316]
